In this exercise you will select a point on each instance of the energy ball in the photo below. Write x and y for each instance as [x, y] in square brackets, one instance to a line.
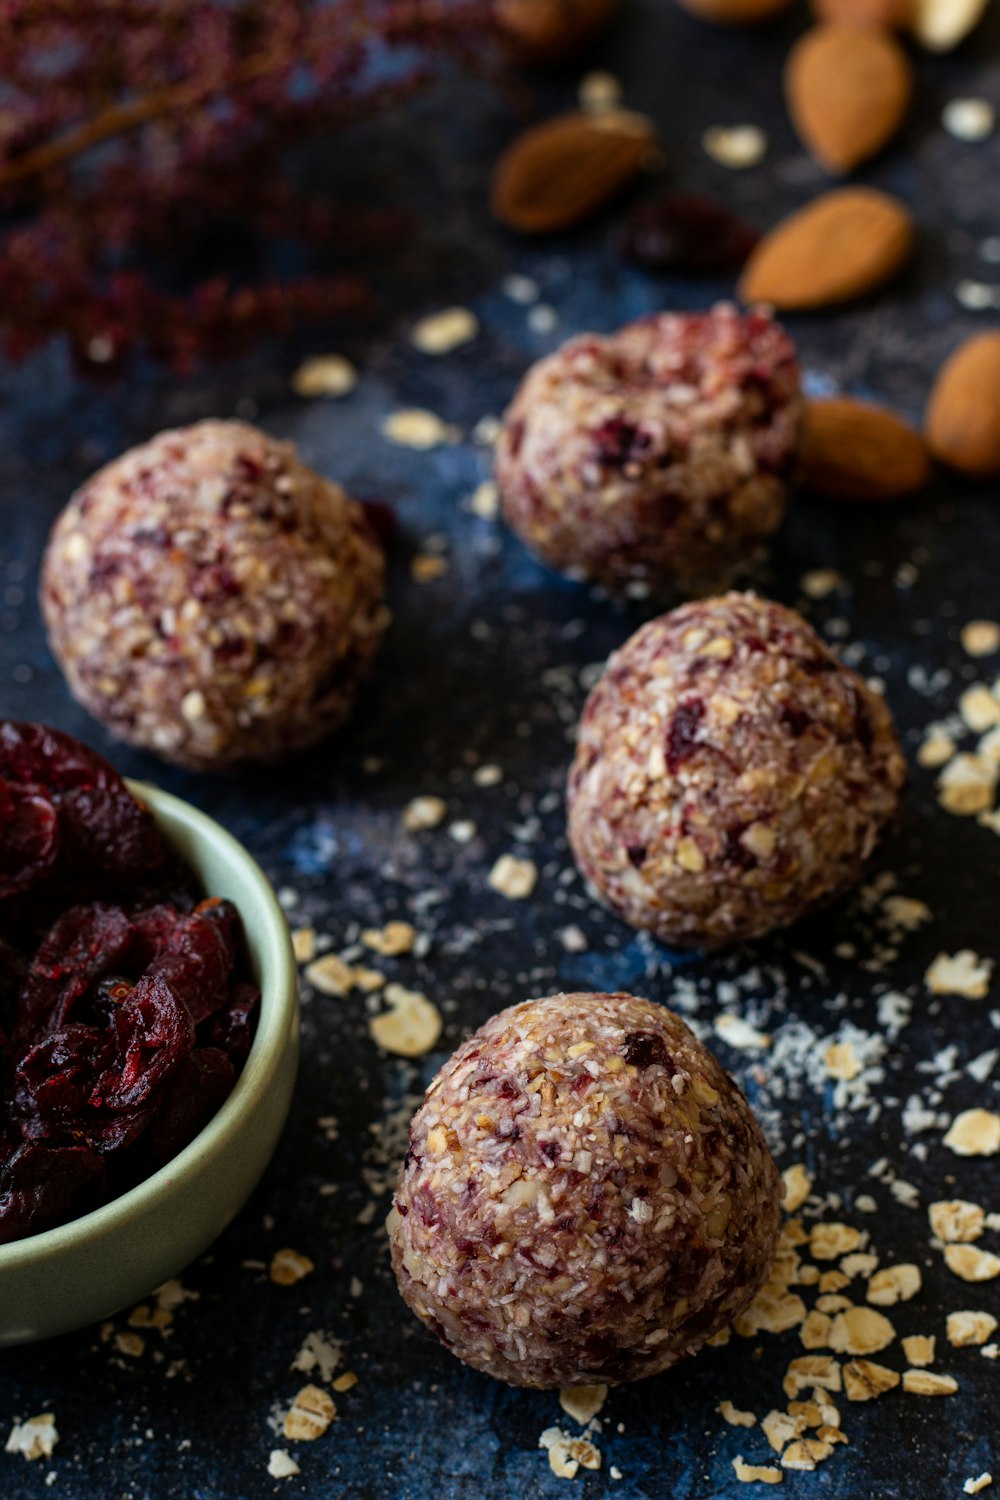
[212, 599]
[654, 459]
[730, 775]
[587, 1195]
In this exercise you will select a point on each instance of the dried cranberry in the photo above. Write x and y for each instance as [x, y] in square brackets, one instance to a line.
[193, 1095]
[104, 827]
[42, 1185]
[619, 442]
[689, 234]
[29, 836]
[153, 1034]
[644, 1049]
[85, 944]
[199, 956]
[682, 735]
[232, 1028]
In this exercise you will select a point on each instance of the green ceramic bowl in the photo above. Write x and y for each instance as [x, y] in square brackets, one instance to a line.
[102, 1262]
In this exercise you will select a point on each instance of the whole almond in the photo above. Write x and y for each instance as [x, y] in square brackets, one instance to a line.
[558, 174]
[893, 15]
[962, 421]
[852, 450]
[842, 245]
[848, 90]
[540, 32]
[939, 25]
[735, 12]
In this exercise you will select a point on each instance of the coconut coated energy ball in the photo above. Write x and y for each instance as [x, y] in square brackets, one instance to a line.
[657, 458]
[587, 1195]
[730, 775]
[212, 599]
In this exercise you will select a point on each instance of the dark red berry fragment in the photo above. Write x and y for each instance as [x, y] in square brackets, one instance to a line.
[688, 234]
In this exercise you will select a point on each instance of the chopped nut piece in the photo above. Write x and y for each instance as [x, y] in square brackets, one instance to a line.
[288, 1266]
[741, 1035]
[971, 1263]
[975, 1132]
[413, 428]
[894, 1284]
[759, 1473]
[962, 973]
[798, 1186]
[828, 1241]
[863, 1379]
[310, 1415]
[919, 1349]
[583, 1402]
[926, 1383]
[966, 1328]
[410, 1027]
[391, 940]
[423, 813]
[325, 375]
[34, 1438]
[281, 1464]
[442, 332]
[304, 944]
[860, 1331]
[956, 1220]
[514, 878]
[736, 1418]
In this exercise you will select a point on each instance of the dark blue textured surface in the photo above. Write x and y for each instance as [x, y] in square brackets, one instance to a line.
[485, 665]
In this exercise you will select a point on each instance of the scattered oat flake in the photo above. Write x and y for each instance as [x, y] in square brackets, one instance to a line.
[740, 1034]
[962, 973]
[936, 748]
[860, 1330]
[391, 940]
[345, 1382]
[975, 1132]
[441, 332]
[319, 1352]
[805, 1454]
[894, 1284]
[34, 1438]
[736, 146]
[736, 1418]
[981, 637]
[863, 1380]
[288, 1266]
[427, 566]
[330, 975]
[969, 119]
[919, 1349]
[798, 1186]
[819, 582]
[973, 1486]
[132, 1345]
[487, 775]
[841, 1061]
[304, 944]
[971, 1263]
[413, 427]
[828, 1241]
[811, 1370]
[599, 92]
[567, 1454]
[927, 1383]
[281, 1464]
[513, 877]
[325, 375]
[964, 1328]
[423, 813]
[484, 501]
[956, 1220]
[967, 783]
[411, 1026]
[979, 709]
[583, 1402]
[756, 1473]
[310, 1415]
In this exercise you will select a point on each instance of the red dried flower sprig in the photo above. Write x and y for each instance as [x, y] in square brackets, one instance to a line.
[131, 130]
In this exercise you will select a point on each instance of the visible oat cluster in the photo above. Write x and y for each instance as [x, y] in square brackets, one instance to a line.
[656, 457]
[212, 599]
[587, 1196]
[731, 774]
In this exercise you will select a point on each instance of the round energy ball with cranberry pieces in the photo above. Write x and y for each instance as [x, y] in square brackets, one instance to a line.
[654, 459]
[587, 1195]
[730, 775]
[212, 599]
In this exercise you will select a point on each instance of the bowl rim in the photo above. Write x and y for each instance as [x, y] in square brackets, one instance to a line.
[273, 1027]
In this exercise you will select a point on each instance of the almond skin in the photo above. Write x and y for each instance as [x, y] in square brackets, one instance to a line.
[848, 89]
[735, 12]
[892, 15]
[842, 245]
[560, 173]
[545, 32]
[852, 450]
[962, 421]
